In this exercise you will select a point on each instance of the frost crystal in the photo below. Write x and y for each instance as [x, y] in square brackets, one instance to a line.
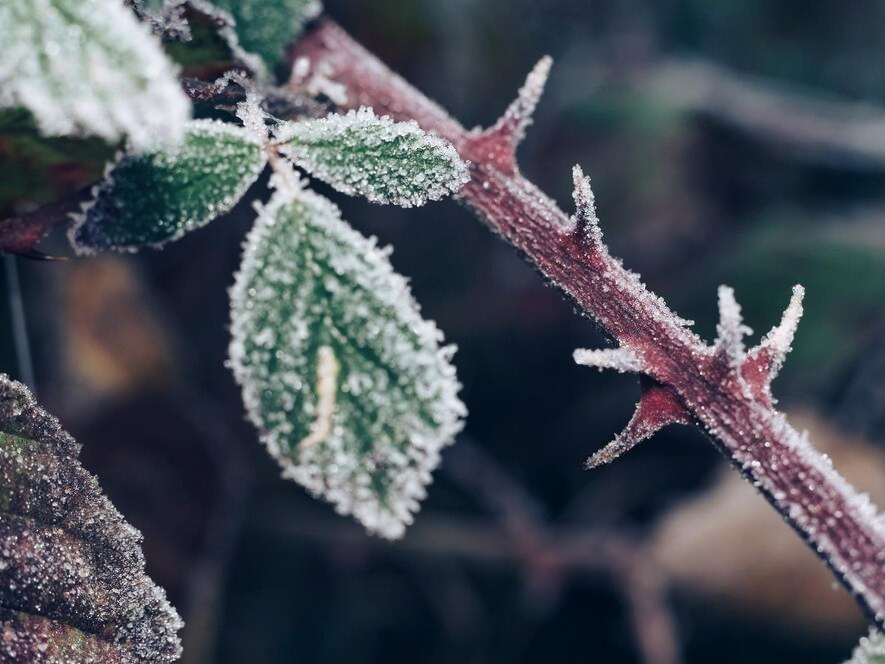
[518, 115]
[621, 360]
[870, 650]
[154, 197]
[88, 67]
[265, 27]
[731, 329]
[779, 341]
[349, 386]
[585, 220]
[71, 568]
[385, 161]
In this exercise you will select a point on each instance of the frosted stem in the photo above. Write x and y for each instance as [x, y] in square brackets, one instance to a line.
[831, 516]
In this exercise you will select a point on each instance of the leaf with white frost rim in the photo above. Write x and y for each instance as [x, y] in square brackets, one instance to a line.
[265, 27]
[365, 155]
[349, 386]
[88, 67]
[71, 568]
[870, 650]
[150, 198]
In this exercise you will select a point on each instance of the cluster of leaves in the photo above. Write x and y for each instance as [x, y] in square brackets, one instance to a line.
[353, 392]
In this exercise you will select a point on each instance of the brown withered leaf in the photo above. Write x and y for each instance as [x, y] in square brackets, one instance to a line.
[72, 581]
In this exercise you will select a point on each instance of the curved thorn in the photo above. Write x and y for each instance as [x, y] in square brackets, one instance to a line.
[498, 143]
[657, 408]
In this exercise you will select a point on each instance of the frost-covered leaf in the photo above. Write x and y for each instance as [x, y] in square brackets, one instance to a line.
[265, 27]
[348, 384]
[385, 161]
[72, 580]
[156, 196]
[870, 650]
[88, 67]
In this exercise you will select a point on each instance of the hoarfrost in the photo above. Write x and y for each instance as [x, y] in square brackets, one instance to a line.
[585, 220]
[71, 568]
[731, 329]
[870, 650]
[622, 360]
[385, 161]
[351, 389]
[89, 67]
[154, 197]
[264, 27]
[511, 127]
[779, 341]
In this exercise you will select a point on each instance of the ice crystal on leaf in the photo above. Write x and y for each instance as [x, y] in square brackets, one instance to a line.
[351, 389]
[870, 650]
[265, 27]
[88, 67]
[156, 196]
[366, 155]
[71, 568]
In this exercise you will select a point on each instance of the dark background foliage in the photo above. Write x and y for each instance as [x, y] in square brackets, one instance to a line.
[129, 351]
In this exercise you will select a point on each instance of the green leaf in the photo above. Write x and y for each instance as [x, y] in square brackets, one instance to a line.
[385, 161]
[154, 197]
[88, 67]
[266, 27]
[71, 568]
[349, 386]
[870, 650]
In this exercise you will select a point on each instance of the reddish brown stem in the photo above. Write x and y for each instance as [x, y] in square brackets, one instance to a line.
[19, 235]
[827, 512]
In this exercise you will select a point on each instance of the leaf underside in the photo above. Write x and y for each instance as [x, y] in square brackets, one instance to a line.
[154, 197]
[71, 569]
[365, 155]
[347, 383]
[88, 67]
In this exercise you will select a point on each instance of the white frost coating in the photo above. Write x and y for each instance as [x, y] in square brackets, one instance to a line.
[89, 67]
[731, 329]
[518, 116]
[327, 390]
[808, 516]
[318, 81]
[362, 154]
[385, 394]
[779, 341]
[252, 116]
[870, 650]
[585, 219]
[622, 360]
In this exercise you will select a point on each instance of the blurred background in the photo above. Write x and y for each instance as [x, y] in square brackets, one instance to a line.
[738, 142]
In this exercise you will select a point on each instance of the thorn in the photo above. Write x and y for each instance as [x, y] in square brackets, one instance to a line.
[585, 220]
[657, 408]
[622, 360]
[765, 361]
[498, 143]
[731, 328]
